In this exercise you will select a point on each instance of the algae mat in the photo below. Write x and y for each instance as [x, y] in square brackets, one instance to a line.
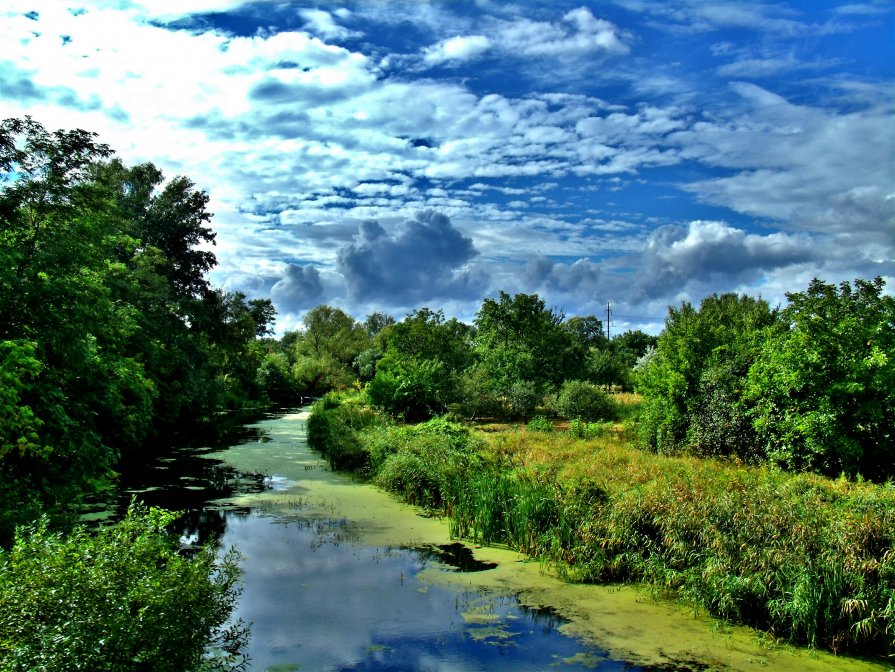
[621, 620]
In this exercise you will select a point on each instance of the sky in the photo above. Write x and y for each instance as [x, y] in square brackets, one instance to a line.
[388, 155]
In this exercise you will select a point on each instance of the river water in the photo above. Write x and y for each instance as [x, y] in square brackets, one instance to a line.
[339, 576]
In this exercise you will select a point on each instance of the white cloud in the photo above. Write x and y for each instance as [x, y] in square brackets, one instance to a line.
[459, 48]
[863, 9]
[298, 139]
[806, 168]
[322, 23]
[579, 33]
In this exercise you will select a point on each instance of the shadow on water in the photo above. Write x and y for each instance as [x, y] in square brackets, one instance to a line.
[456, 556]
[187, 477]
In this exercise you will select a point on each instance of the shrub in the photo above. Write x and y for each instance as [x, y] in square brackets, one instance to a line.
[522, 399]
[578, 399]
[115, 601]
[425, 464]
[540, 424]
[476, 396]
[587, 430]
[332, 430]
[411, 390]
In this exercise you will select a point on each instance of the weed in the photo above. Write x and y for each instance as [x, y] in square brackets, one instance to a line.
[809, 559]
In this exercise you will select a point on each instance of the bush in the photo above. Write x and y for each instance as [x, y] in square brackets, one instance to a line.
[522, 399]
[587, 430]
[821, 390]
[540, 424]
[425, 464]
[412, 391]
[332, 430]
[124, 599]
[476, 396]
[584, 401]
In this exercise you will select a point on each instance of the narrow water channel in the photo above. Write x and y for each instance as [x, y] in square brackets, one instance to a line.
[338, 576]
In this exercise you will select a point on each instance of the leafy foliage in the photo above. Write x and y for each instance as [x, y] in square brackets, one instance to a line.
[583, 401]
[823, 387]
[539, 423]
[524, 347]
[417, 378]
[123, 599]
[803, 556]
[701, 359]
[110, 337]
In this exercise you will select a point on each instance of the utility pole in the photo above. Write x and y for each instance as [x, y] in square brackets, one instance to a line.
[608, 314]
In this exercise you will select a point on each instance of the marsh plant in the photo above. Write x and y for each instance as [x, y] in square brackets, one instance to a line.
[806, 558]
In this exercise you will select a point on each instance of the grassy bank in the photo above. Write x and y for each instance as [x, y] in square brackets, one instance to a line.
[808, 559]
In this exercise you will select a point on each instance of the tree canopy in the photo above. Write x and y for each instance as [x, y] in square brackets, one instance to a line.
[110, 335]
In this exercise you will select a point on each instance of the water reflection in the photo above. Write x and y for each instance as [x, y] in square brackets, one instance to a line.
[320, 601]
[187, 478]
[317, 598]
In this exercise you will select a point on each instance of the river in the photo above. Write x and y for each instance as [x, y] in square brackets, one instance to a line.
[340, 576]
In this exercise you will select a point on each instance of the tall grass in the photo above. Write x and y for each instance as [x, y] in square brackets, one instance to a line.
[806, 558]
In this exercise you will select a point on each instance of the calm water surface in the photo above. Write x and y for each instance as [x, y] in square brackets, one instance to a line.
[317, 596]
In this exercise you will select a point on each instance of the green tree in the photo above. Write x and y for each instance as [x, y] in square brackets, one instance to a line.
[426, 335]
[520, 340]
[425, 355]
[332, 332]
[274, 377]
[635, 342]
[86, 394]
[587, 330]
[377, 321]
[115, 601]
[823, 387]
[692, 386]
[580, 400]
[611, 363]
[109, 331]
[327, 349]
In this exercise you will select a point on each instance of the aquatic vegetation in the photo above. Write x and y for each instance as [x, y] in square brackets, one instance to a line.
[806, 558]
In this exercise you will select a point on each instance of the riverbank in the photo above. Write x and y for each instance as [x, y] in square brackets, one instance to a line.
[807, 555]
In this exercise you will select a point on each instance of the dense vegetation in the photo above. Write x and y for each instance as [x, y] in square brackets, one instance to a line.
[809, 387]
[716, 489]
[112, 342]
[111, 339]
[806, 558]
[119, 600]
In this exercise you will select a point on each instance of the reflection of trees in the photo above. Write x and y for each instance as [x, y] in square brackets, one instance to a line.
[456, 555]
[201, 526]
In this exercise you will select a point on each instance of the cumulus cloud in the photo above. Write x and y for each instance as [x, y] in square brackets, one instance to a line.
[579, 277]
[322, 23]
[297, 139]
[299, 288]
[805, 168]
[459, 48]
[711, 253]
[700, 16]
[579, 33]
[420, 259]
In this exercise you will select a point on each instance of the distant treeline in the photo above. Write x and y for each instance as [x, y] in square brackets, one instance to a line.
[807, 387]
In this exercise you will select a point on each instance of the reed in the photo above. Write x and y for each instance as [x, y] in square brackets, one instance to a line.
[806, 558]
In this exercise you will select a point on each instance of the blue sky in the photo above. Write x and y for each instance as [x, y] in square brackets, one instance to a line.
[389, 155]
